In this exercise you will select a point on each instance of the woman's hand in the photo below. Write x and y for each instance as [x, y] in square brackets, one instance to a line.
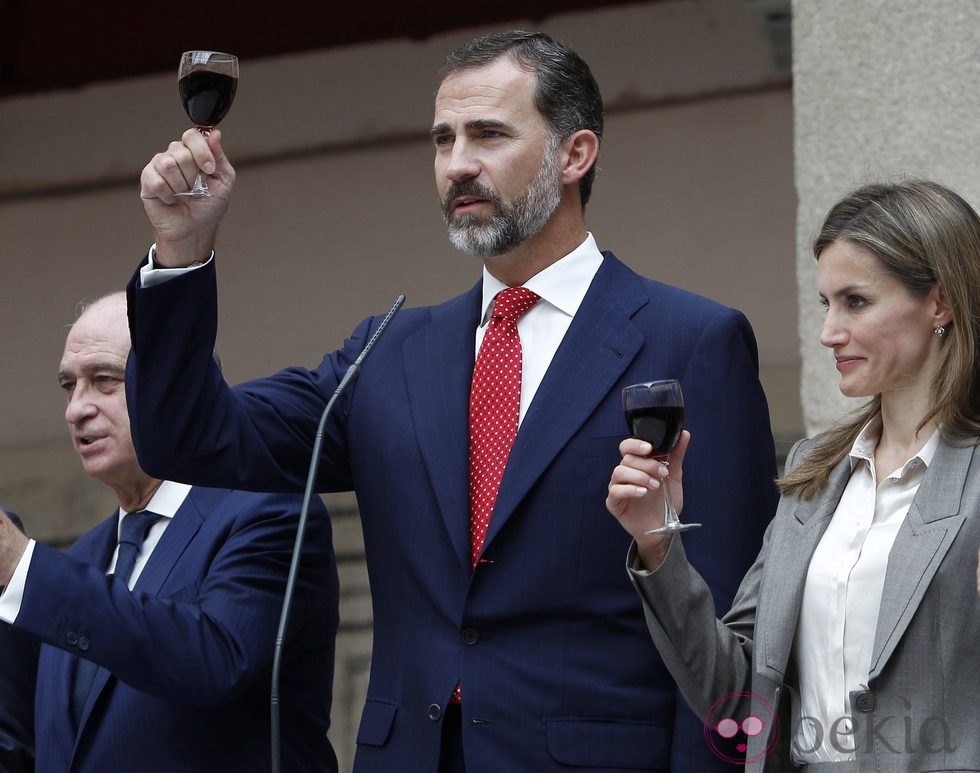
[636, 494]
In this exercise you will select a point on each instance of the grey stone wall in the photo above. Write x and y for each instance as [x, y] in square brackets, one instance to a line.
[882, 89]
[45, 484]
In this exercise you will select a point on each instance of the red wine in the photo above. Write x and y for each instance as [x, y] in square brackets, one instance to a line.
[207, 96]
[660, 426]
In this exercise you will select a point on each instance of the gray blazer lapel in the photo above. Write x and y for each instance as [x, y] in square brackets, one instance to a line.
[932, 523]
[789, 557]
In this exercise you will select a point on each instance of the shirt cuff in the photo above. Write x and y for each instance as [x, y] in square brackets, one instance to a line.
[150, 275]
[13, 594]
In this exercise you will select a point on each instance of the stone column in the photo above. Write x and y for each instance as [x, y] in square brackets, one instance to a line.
[883, 89]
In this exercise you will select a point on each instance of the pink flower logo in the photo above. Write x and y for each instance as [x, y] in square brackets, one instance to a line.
[725, 733]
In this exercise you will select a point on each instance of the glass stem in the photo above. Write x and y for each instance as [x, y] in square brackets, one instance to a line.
[670, 515]
[199, 184]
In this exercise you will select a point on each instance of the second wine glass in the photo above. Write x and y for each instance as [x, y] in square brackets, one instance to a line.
[207, 81]
[655, 413]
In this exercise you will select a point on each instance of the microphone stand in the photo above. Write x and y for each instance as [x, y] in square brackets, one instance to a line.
[349, 376]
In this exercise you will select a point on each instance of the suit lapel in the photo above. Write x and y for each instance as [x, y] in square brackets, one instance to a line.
[56, 668]
[600, 344]
[96, 550]
[182, 528]
[55, 673]
[789, 559]
[924, 538]
[438, 368]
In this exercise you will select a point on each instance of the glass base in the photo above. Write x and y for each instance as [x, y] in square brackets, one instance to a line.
[670, 528]
[199, 189]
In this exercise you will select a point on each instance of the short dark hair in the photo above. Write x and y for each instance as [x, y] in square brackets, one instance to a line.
[566, 93]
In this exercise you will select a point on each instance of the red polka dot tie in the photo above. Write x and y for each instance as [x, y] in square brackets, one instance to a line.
[495, 403]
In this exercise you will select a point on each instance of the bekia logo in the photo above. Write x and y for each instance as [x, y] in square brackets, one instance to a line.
[728, 735]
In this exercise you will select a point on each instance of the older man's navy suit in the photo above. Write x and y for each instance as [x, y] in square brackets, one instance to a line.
[185, 658]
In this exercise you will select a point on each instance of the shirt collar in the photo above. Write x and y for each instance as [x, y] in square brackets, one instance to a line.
[166, 500]
[866, 442]
[563, 284]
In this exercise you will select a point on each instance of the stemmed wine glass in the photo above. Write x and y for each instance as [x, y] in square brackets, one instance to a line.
[207, 81]
[655, 413]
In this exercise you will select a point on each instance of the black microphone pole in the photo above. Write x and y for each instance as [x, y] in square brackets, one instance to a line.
[352, 371]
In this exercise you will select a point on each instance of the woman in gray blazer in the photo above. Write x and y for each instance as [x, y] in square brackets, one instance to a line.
[854, 641]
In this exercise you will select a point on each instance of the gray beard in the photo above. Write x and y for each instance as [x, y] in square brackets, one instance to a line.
[512, 225]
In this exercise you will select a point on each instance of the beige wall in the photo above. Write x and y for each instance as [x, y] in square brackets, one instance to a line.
[335, 210]
[335, 213]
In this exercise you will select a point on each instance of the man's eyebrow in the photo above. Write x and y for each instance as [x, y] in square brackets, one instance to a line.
[111, 368]
[477, 124]
[485, 123]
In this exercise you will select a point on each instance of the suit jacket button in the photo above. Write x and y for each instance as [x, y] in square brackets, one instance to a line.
[470, 636]
[71, 638]
[435, 712]
[83, 643]
[864, 701]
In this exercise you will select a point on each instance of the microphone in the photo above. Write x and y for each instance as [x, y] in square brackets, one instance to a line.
[349, 376]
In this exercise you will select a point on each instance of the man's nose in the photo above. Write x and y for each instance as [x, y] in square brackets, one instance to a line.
[79, 407]
[463, 162]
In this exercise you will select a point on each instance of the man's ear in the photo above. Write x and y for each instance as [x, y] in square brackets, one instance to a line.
[581, 150]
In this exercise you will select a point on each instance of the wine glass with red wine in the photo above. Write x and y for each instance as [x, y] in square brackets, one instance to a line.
[207, 81]
[655, 413]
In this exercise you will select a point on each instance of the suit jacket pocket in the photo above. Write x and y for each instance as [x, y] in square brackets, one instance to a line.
[376, 722]
[598, 743]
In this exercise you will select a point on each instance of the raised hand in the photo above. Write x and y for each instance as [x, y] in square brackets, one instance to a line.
[13, 543]
[185, 228]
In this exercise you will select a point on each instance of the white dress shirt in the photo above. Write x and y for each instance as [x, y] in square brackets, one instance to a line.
[562, 286]
[842, 597]
[165, 502]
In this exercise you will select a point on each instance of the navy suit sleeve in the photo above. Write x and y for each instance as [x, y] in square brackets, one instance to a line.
[209, 636]
[729, 484]
[730, 467]
[189, 425]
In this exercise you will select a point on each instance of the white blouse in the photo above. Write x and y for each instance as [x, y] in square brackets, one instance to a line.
[842, 597]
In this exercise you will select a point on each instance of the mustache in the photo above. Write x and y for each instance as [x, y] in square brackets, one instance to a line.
[468, 188]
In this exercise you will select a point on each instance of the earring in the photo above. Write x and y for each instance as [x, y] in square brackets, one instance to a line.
[940, 330]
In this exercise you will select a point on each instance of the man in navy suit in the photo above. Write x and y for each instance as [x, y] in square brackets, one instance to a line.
[524, 649]
[168, 668]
